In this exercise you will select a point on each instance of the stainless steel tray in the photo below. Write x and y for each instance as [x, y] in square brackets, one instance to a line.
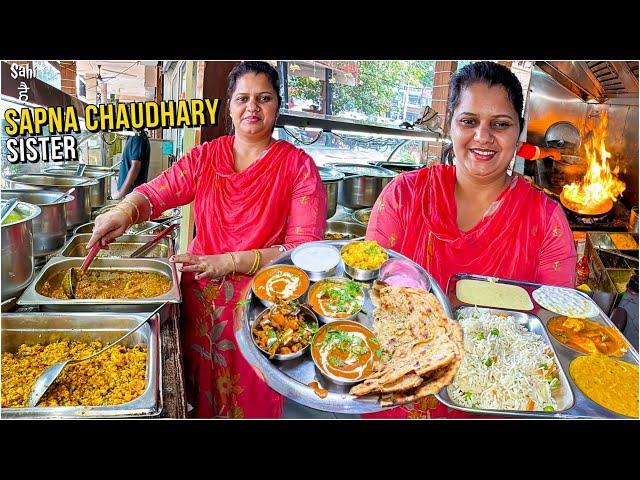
[583, 407]
[43, 328]
[124, 246]
[56, 264]
[291, 378]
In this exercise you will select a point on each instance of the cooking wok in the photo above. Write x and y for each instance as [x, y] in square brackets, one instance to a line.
[576, 208]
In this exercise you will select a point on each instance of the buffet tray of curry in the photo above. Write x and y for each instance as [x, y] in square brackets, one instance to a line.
[534, 350]
[124, 381]
[334, 343]
[110, 284]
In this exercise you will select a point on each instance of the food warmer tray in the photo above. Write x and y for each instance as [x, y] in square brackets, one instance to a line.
[291, 378]
[31, 328]
[31, 297]
[582, 407]
[123, 247]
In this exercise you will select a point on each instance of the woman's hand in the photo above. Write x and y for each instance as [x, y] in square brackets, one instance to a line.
[109, 226]
[207, 266]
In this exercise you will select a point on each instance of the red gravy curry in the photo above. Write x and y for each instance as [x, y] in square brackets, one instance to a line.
[345, 350]
[280, 281]
[587, 336]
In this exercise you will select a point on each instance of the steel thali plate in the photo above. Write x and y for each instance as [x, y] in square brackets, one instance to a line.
[291, 378]
[582, 407]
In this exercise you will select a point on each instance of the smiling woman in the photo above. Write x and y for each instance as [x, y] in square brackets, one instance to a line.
[253, 197]
[473, 217]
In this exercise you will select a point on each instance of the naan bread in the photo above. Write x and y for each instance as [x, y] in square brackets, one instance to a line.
[422, 347]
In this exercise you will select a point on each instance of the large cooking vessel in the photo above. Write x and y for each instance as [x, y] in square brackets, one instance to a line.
[331, 179]
[17, 251]
[50, 227]
[399, 167]
[99, 193]
[78, 211]
[362, 184]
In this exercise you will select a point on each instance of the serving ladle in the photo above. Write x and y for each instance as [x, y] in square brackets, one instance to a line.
[7, 208]
[72, 275]
[68, 192]
[46, 378]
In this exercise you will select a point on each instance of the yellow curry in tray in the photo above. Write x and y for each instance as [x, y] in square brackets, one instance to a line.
[106, 284]
[586, 336]
[610, 383]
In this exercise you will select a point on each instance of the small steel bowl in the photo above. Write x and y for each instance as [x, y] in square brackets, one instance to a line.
[358, 273]
[362, 216]
[309, 315]
[270, 303]
[300, 257]
[325, 318]
[316, 361]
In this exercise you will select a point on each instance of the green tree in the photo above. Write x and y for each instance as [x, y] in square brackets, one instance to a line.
[378, 83]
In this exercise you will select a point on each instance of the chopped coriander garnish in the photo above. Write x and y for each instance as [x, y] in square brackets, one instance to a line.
[549, 408]
[488, 362]
[495, 332]
[479, 336]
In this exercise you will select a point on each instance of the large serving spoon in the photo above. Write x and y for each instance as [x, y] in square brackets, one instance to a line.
[140, 252]
[7, 208]
[46, 378]
[68, 192]
[171, 219]
[71, 276]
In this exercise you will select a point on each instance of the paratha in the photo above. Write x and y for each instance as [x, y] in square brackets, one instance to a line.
[422, 347]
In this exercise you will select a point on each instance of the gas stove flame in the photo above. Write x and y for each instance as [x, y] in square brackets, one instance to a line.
[600, 183]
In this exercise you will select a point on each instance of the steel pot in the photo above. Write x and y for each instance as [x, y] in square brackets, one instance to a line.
[17, 251]
[362, 184]
[99, 193]
[331, 179]
[78, 211]
[50, 227]
[399, 167]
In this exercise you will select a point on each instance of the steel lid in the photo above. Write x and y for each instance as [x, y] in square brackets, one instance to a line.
[328, 174]
[364, 170]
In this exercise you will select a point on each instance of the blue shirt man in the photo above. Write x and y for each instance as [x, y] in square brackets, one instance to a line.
[135, 164]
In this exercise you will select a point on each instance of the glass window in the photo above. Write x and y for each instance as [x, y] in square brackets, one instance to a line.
[370, 90]
[48, 73]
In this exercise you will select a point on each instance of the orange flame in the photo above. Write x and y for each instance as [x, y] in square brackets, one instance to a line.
[600, 183]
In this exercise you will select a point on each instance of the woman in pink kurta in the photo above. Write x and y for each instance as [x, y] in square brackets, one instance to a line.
[473, 217]
[253, 198]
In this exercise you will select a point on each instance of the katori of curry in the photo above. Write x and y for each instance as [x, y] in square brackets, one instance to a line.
[285, 282]
[345, 350]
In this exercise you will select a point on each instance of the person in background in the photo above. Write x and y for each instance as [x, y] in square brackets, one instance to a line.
[472, 217]
[135, 164]
[254, 197]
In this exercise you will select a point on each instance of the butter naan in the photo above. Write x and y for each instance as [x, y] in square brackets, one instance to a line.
[422, 348]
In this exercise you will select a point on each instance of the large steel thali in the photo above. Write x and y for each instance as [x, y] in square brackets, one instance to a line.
[291, 378]
[575, 404]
